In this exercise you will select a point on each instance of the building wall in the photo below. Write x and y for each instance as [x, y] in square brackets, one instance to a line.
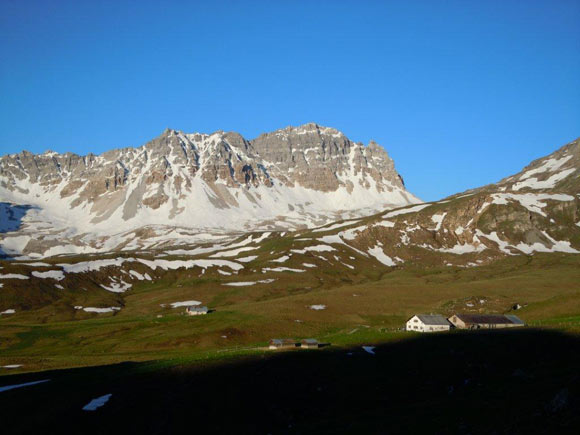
[496, 325]
[435, 328]
[457, 322]
[415, 324]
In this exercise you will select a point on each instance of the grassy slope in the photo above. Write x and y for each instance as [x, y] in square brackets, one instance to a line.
[365, 308]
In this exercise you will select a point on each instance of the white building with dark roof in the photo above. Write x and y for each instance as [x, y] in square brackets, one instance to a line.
[428, 323]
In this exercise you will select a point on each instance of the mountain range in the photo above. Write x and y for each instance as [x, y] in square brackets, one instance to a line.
[182, 188]
[287, 204]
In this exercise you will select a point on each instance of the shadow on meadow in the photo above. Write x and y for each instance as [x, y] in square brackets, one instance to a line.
[518, 381]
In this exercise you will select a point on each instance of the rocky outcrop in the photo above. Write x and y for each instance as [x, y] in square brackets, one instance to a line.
[535, 210]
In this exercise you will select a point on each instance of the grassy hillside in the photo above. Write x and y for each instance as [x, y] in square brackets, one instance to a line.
[361, 308]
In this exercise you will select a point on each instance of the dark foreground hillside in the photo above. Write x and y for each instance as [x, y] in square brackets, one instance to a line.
[520, 381]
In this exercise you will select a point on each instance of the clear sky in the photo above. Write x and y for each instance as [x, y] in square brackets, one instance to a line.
[460, 93]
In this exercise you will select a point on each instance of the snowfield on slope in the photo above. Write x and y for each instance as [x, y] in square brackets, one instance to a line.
[534, 202]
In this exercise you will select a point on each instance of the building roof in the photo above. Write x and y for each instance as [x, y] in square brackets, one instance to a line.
[490, 319]
[310, 341]
[433, 319]
[282, 341]
[515, 319]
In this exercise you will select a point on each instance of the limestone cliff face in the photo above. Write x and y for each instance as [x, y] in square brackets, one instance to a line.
[290, 178]
[321, 158]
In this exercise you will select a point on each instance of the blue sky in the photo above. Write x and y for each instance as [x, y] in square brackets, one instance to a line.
[460, 93]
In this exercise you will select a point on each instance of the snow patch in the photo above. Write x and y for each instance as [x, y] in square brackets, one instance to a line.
[281, 259]
[378, 253]
[54, 274]
[369, 349]
[248, 283]
[247, 259]
[98, 310]
[351, 234]
[117, 287]
[532, 201]
[549, 165]
[183, 304]
[316, 248]
[533, 182]
[503, 245]
[438, 220]
[97, 403]
[188, 264]
[13, 276]
[139, 276]
[281, 269]
[240, 284]
[463, 249]
[317, 307]
[27, 384]
[557, 245]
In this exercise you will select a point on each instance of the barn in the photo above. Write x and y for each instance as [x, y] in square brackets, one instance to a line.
[282, 343]
[428, 323]
[309, 343]
[196, 311]
[485, 321]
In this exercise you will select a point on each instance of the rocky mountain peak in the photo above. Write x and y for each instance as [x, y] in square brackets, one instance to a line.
[290, 178]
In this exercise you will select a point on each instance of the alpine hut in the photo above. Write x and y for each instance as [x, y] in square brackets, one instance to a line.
[428, 323]
[195, 310]
[282, 343]
[309, 343]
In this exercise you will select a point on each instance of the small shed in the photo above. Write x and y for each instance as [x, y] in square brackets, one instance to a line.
[195, 310]
[485, 321]
[309, 343]
[428, 323]
[282, 343]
